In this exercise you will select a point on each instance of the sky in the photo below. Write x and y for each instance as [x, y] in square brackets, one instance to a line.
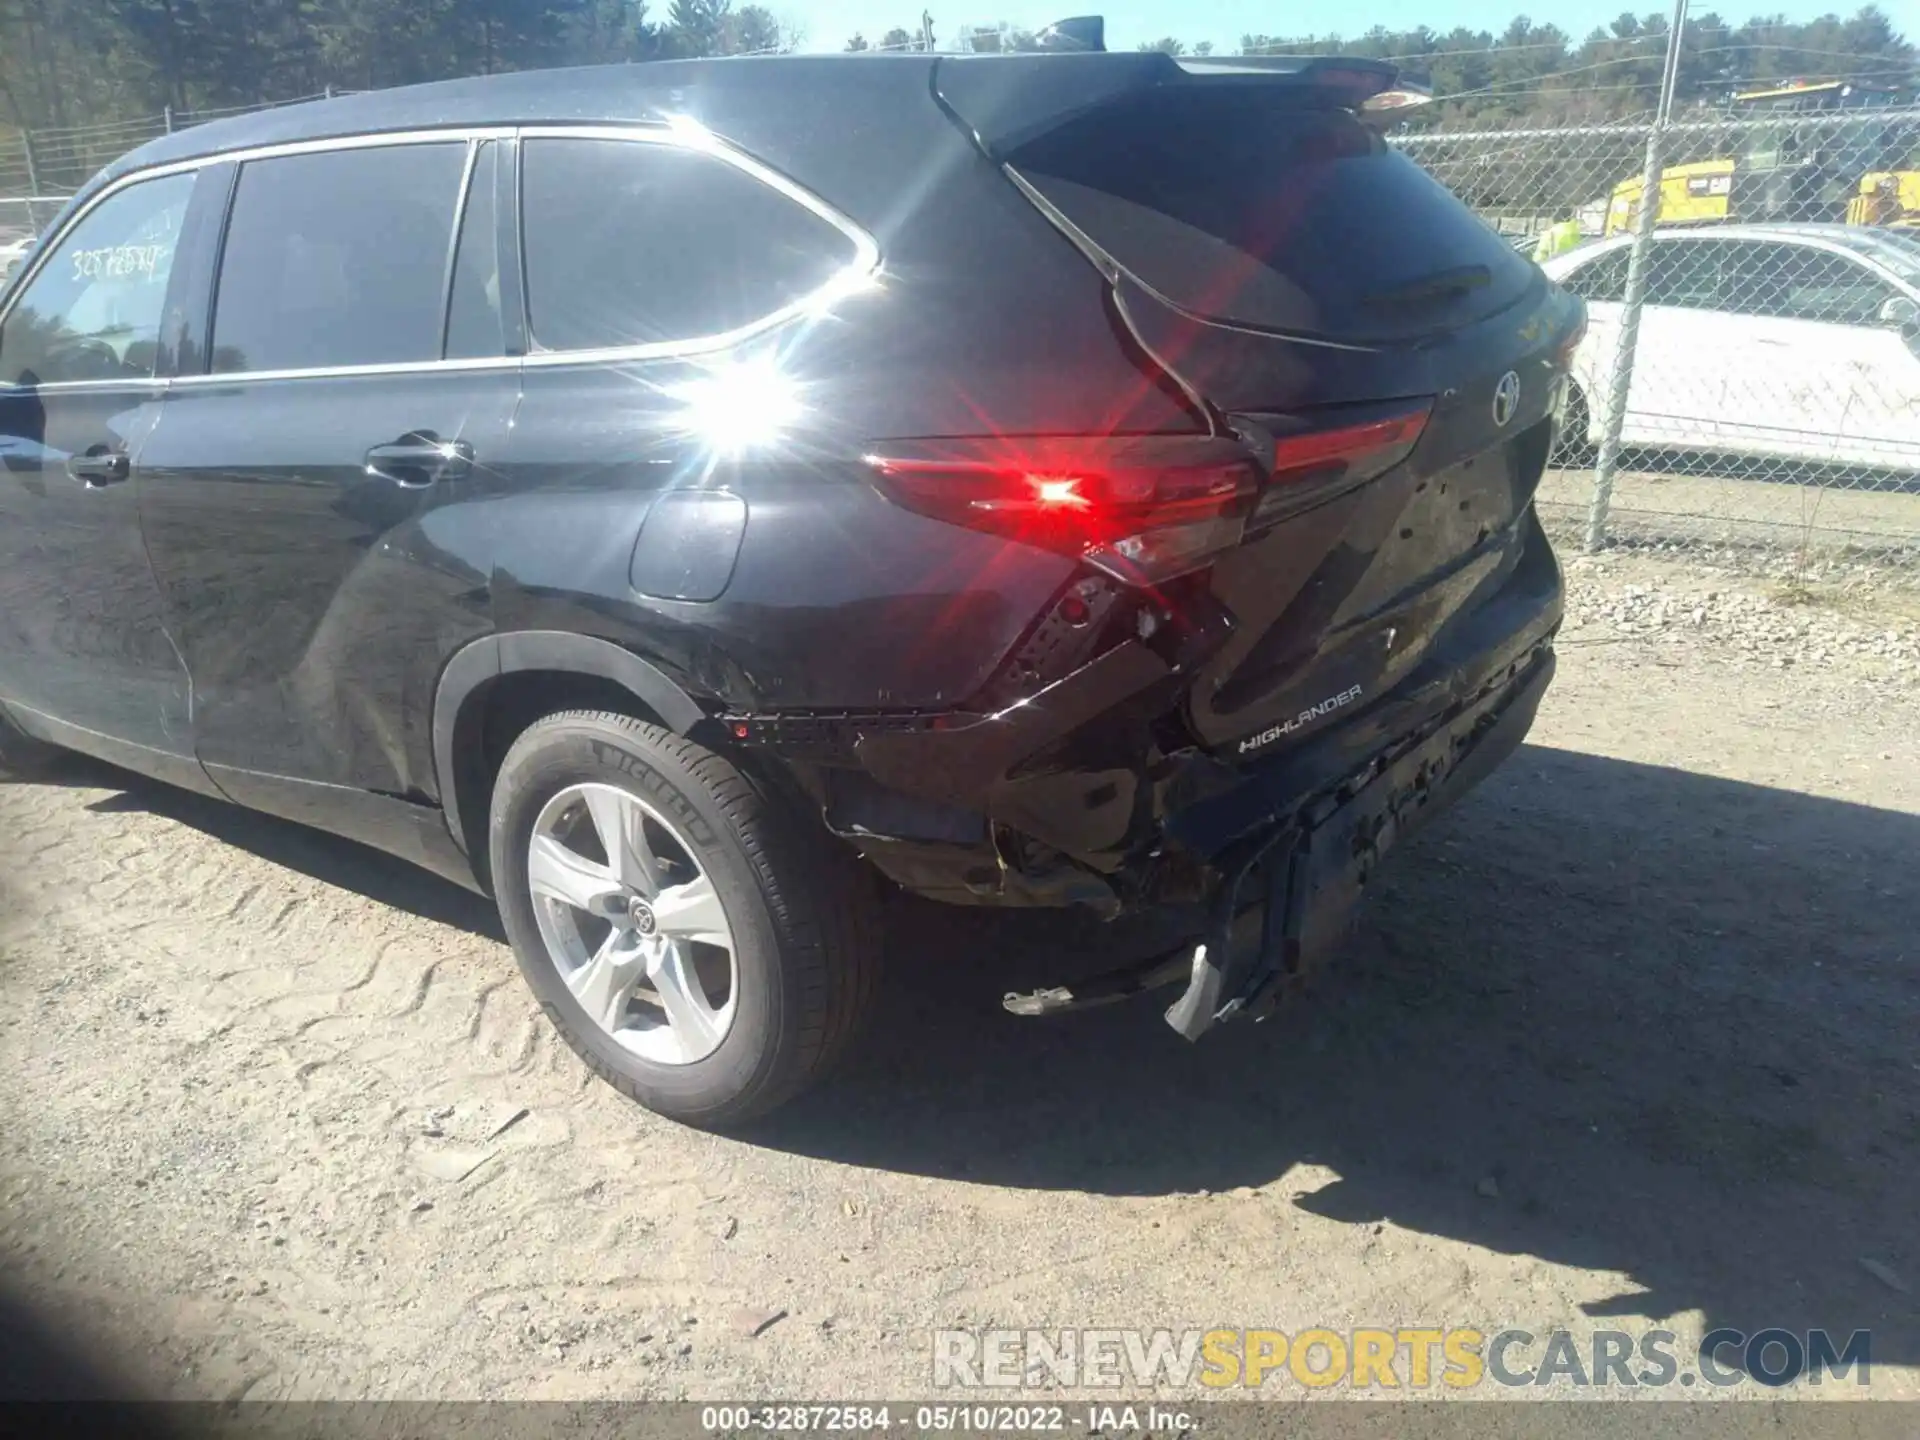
[829, 23]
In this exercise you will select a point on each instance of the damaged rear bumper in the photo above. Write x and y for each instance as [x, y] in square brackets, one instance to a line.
[1286, 885]
[1091, 792]
[1287, 890]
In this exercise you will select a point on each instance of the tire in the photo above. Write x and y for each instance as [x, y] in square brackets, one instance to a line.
[1573, 446]
[800, 917]
[22, 756]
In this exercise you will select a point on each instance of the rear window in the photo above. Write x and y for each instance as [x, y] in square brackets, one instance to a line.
[1257, 204]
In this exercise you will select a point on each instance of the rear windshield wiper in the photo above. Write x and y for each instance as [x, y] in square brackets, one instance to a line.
[1441, 285]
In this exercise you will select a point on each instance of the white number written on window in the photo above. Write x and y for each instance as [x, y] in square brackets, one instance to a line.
[115, 262]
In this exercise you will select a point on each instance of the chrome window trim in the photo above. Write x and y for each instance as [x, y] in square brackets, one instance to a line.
[676, 131]
[453, 134]
[467, 138]
[151, 382]
[230, 378]
[687, 135]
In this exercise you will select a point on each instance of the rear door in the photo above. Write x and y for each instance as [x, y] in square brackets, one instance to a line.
[1687, 345]
[340, 404]
[81, 638]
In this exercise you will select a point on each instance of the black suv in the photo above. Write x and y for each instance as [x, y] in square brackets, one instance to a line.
[671, 497]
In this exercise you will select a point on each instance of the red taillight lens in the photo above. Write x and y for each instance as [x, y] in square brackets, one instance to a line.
[1370, 446]
[1139, 518]
[1319, 455]
[1062, 509]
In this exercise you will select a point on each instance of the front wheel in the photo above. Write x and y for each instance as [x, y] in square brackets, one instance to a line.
[693, 943]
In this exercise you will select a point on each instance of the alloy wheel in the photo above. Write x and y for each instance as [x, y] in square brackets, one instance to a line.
[632, 923]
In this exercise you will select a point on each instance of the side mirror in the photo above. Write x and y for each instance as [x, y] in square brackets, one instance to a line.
[1900, 313]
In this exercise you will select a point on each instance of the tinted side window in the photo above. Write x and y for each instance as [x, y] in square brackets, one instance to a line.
[1758, 276]
[1800, 282]
[1601, 279]
[633, 243]
[337, 258]
[1686, 273]
[93, 312]
[473, 311]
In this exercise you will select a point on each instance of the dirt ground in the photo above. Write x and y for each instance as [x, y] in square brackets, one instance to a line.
[1628, 1036]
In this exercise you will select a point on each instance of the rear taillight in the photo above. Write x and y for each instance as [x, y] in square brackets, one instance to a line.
[1138, 510]
[1363, 449]
[1317, 456]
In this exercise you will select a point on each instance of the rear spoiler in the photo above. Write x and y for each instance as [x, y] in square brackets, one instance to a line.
[1370, 86]
[1007, 100]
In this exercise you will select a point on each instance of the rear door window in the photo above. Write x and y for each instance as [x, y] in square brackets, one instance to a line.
[338, 258]
[1261, 204]
[637, 243]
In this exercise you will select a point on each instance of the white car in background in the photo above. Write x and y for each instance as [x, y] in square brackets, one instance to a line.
[1797, 343]
[13, 254]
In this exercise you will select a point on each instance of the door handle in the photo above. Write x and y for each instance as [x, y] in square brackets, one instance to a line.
[100, 466]
[419, 458]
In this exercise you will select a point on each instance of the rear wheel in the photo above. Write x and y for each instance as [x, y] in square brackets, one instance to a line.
[693, 943]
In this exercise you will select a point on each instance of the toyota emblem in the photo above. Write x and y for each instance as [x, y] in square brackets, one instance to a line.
[1506, 398]
[641, 914]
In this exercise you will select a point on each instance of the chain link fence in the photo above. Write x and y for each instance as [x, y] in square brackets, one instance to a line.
[40, 168]
[1750, 377]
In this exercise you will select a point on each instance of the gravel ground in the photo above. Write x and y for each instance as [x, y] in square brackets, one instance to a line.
[1872, 633]
[1627, 1037]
